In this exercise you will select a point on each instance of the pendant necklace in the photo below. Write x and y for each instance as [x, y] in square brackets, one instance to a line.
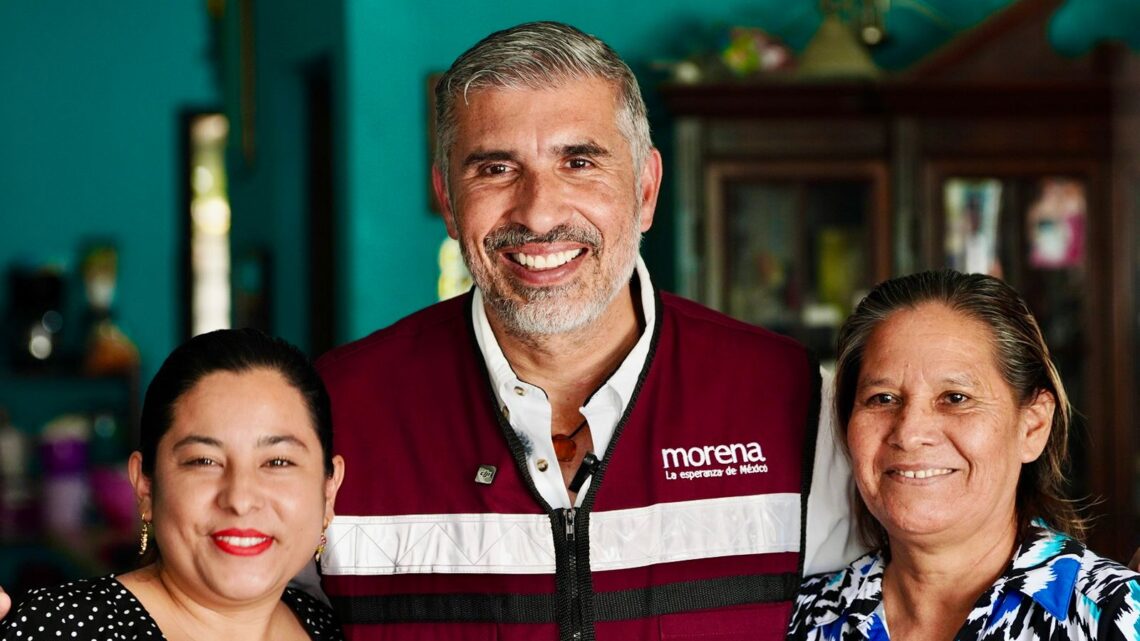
[565, 449]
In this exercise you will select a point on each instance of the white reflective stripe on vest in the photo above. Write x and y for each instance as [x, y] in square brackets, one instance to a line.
[523, 543]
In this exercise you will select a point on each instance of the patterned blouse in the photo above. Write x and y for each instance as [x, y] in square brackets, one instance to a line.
[1054, 589]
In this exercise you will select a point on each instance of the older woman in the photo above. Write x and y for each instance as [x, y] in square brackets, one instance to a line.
[235, 481]
[956, 424]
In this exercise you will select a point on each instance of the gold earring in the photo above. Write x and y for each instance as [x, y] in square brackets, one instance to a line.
[143, 537]
[322, 543]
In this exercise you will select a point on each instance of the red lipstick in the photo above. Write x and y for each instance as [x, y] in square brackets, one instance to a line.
[242, 542]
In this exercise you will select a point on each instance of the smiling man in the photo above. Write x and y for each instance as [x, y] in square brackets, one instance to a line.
[567, 452]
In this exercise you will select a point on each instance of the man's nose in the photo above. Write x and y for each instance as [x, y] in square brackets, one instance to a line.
[541, 202]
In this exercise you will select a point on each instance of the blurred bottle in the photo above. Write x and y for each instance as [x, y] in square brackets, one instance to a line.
[63, 453]
[17, 493]
[109, 350]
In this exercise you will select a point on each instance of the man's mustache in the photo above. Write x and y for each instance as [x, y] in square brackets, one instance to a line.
[514, 234]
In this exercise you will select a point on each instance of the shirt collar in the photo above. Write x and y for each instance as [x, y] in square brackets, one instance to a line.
[857, 589]
[622, 382]
[1045, 569]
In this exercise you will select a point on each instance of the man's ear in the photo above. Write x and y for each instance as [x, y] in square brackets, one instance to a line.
[1036, 423]
[650, 187]
[439, 186]
[142, 484]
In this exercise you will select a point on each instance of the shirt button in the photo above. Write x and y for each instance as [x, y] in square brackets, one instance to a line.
[520, 391]
[541, 464]
[506, 412]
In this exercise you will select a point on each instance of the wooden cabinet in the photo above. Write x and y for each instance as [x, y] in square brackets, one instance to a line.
[793, 198]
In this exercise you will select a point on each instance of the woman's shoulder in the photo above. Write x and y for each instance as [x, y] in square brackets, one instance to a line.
[1068, 561]
[824, 598]
[316, 617]
[1109, 589]
[99, 608]
[1074, 582]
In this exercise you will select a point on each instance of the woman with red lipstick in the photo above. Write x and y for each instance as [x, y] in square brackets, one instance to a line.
[235, 481]
[956, 424]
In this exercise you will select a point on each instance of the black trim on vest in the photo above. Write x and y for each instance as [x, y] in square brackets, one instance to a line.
[540, 608]
[811, 432]
[687, 596]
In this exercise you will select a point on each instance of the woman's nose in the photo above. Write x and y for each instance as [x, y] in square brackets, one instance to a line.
[915, 425]
[240, 492]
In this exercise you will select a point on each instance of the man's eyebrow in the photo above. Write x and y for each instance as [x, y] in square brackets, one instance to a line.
[585, 149]
[195, 439]
[476, 157]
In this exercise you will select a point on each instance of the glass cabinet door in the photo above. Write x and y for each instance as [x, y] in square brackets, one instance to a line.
[1031, 231]
[793, 252]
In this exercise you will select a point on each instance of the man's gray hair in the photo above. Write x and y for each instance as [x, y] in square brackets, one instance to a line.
[539, 55]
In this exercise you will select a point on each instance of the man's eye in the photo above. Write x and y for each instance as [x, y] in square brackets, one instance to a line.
[956, 398]
[279, 462]
[495, 169]
[579, 163]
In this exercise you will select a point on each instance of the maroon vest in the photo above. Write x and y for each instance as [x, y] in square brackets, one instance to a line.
[692, 526]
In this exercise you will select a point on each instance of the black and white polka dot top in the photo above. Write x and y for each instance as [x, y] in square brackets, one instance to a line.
[102, 609]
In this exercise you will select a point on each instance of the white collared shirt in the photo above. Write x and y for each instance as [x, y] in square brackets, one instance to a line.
[831, 541]
[528, 409]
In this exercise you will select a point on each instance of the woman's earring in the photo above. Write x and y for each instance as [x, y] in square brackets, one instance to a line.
[322, 543]
[143, 537]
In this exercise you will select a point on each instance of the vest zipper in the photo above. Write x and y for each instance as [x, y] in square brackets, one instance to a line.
[572, 566]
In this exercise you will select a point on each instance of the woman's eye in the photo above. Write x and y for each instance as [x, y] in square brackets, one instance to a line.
[882, 398]
[956, 398]
[200, 461]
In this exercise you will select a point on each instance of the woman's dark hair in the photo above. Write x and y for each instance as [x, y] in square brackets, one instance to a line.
[237, 351]
[1022, 358]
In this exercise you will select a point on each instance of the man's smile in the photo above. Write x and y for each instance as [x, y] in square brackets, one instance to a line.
[540, 262]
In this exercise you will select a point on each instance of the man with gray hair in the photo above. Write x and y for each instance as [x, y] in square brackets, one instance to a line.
[566, 452]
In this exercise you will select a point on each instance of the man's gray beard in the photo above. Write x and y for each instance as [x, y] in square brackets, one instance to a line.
[544, 313]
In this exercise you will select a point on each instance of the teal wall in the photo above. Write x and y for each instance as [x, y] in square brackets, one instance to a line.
[90, 97]
[269, 190]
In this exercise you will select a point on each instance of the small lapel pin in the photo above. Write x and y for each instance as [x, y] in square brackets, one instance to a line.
[485, 475]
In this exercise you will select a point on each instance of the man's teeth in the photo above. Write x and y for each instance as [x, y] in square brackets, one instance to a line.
[923, 474]
[243, 541]
[546, 261]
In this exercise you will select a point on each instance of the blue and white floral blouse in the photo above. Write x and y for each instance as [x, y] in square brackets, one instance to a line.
[1055, 589]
